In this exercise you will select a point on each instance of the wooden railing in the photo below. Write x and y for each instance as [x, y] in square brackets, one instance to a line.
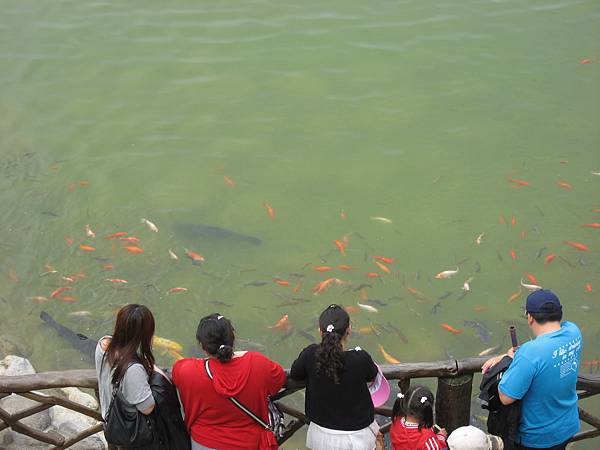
[453, 398]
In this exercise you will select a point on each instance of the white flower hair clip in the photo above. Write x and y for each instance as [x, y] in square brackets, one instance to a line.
[221, 347]
[219, 317]
[423, 399]
[330, 328]
[400, 395]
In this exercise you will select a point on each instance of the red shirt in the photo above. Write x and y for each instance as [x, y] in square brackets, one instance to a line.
[407, 436]
[212, 419]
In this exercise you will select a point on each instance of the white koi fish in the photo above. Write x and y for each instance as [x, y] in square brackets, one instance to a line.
[150, 225]
[479, 239]
[381, 219]
[173, 255]
[596, 173]
[466, 284]
[447, 274]
[89, 233]
[531, 287]
[367, 308]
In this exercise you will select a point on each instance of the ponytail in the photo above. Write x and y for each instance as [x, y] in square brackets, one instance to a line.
[417, 402]
[329, 356]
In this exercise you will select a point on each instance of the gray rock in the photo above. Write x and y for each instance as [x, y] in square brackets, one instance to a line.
[13, 365]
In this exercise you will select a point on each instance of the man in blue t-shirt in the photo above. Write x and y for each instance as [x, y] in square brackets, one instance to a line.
[543, 375]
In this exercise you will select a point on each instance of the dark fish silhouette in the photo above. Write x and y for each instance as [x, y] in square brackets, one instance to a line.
[82, 343]
[198, 230]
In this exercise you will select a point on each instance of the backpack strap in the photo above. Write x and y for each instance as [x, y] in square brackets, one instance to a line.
[236, 402]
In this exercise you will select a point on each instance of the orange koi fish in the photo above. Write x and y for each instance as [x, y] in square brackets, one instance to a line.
[69, 241]
[531, 278]
[297, 288]
[577, 246]
[66, 298]
[229, 181]
[281, 282]
[450, 328]
[118, 234]
[195, 257]
[84, 183]
[270, 210]
[56, 292]
[596, 210]
[133, 249]
[323, 285]
[373, 275]
[175, 290]
[341, 247]
[502, 220]
[588, 287]
[389, 358]
[591, 225]
[514, 296]
[586, 61]
[519, 182]
[513, 221]
[131, 239]
[323, 268]
[68, 279]
[513, 254]
[549, 259]
[117, 280]
[384, 259]
[383, 267]
[522, 234]
[565, 185]
[108, 266]
[87, 248]
[481, 309]
[281, 324]
[345, 267]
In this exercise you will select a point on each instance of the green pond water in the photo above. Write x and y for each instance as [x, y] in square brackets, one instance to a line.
[331, 113]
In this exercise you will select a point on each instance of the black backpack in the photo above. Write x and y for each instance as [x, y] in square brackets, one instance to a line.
[503, 420]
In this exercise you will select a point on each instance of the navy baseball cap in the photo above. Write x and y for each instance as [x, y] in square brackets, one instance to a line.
[542, 301]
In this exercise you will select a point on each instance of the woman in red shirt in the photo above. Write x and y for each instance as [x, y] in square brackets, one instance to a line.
[214, 422]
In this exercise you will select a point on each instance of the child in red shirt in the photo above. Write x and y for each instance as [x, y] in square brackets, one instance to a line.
[412, 418]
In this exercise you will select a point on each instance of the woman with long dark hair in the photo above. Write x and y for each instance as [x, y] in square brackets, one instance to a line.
[206, 387]
[338, 402]
[125, 360]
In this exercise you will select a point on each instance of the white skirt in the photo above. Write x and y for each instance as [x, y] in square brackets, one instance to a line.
[321, 438]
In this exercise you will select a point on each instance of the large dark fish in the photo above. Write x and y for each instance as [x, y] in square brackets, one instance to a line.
[482, 332]
[198, 230]
[82, 343]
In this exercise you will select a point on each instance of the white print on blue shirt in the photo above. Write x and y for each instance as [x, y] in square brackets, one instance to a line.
[568, 355]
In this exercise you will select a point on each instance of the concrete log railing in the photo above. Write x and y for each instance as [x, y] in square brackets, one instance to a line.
[453, 397]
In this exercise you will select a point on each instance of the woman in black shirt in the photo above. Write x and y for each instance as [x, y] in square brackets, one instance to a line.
[338, 402]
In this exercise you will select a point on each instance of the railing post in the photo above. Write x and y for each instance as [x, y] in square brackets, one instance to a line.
[453, 402]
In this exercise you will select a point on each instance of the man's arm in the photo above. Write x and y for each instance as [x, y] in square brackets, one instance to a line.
[505, 399]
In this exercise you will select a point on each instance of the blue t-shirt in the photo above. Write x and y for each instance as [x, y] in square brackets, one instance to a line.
[543, 375]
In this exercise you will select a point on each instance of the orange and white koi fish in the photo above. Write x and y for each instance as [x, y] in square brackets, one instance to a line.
[281, 324]
[270, 210]
[531, 287]
[591, 225]
[56, 292]
[130, 239]
[389, 358]
[565, 185]
[588, 287]
[195, 257]
[549, 259]
[175, 290]
[383, 267]
[577, 246]
[133, 249]
[117, 280]
[229, 181]
[450, 328]
[381, 219]
[447, 274]
[173, 255]
[322, 268]
[367, 308]
[87, 248]
[150, 225]
[531, 278]
[479, 239]
[514, 296]
[118, 234]
[89, 233]
[323, 285]
[167, 344]
[519, 182]
[341, 247]
[68, 279]
[384, 259]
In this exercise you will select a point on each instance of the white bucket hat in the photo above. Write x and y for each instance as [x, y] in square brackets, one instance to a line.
[472, 438]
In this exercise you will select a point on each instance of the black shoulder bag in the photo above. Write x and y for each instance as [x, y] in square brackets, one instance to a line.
[124, 425]
[276, 419]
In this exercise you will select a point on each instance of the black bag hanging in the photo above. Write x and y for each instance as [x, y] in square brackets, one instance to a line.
[125, 426]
